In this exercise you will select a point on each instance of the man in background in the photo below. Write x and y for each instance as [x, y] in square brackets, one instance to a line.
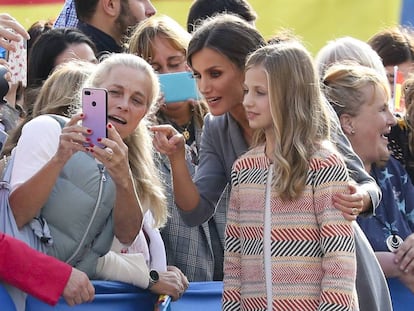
[105, 22]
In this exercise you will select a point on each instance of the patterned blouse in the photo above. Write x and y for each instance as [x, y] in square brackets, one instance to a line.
[395, 213]
[311, 247]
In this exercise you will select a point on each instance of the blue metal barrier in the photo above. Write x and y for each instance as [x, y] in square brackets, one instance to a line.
[109, 296]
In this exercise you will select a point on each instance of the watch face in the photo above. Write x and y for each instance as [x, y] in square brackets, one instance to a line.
[154, 275]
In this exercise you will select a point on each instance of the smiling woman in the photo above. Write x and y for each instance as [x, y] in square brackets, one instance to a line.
[111, 182]
[360, 96]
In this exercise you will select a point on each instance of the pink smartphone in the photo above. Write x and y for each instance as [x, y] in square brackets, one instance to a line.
[94, 107]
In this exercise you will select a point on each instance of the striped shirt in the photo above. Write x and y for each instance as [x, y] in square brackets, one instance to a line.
[312, 246]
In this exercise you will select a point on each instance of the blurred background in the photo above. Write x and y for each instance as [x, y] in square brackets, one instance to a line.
[315, 21]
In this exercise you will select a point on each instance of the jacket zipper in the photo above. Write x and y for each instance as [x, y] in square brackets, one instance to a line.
[98, 202]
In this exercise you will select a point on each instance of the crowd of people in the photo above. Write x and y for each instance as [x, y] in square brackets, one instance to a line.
[289, 179]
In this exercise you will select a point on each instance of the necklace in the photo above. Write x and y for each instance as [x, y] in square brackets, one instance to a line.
[393, 242]
[185, 130]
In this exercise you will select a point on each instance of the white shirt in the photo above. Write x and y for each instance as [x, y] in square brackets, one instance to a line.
[38, 143]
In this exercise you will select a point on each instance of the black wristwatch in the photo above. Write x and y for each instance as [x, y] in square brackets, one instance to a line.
[153, 278]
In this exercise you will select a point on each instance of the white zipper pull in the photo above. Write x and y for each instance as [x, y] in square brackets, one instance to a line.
[102, 169]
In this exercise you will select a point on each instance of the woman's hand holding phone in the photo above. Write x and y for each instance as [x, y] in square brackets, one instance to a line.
[102, 139]
[114, 155]
[72, 139]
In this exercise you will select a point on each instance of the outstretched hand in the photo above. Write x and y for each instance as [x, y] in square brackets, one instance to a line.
[168, 141]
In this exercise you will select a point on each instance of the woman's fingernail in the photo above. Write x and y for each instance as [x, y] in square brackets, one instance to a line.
[99, 139]
[82, 115]
[91, 145]
[109, 125]
[88, 139]
[89, 131]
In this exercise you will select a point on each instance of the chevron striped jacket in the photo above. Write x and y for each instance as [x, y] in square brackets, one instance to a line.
[311, 251]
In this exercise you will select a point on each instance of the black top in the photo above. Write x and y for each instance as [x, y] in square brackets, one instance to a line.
[398, 144]
[104, 42]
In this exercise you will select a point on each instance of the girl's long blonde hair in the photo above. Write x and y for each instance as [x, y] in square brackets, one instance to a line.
[300, 119]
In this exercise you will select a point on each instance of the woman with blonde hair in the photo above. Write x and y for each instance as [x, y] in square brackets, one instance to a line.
[371, 283]
[89, 195]
[360, 96]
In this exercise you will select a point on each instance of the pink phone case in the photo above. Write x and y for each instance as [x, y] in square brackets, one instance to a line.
[17, 61]
[94, 106]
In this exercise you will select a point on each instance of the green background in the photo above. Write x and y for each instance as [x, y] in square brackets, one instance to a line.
[315, 21]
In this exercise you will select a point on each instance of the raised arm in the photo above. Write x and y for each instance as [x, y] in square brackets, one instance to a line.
[171, 143]
[128, 213]
[42, 151]
[197, 199]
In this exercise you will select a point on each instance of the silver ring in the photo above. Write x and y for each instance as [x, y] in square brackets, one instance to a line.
[355, 211]
[110, 153]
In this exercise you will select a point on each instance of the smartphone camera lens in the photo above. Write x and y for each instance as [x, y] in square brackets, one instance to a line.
[87, 93]
[93, 104]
